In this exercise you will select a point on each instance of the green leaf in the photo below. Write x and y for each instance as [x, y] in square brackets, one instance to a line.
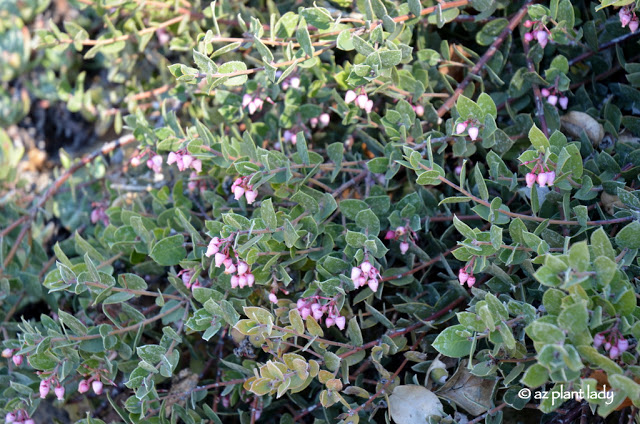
[629, 236]
[487, 105]
[538, 139]
[452, 344]
[536, 376]
[302, 34]
[601, 245]
[268, 214]
[368, 221]
[290, 234]
[415, 7]
[169, 251]
[232, 67]
[151, 353]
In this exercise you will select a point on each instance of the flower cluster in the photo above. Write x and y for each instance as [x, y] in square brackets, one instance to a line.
[540, 33]
[311, 306]
[196, 182]
[628, 17]
[184, 161]
[17, 359]
[466, 276]
[361, 100]
[98, 213]
[365, 274]
[186, 275]
[154, 163]
[554, 98]
[292, 81]
[242, 275]
[241, 187]
[615, 344]
[323, 120]
[401, 233]
[94, 381]
[45, 387]
[473, 129]
[18, 417]
[253, 103]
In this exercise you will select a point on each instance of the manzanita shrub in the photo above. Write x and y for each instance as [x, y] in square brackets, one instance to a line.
[331, 211]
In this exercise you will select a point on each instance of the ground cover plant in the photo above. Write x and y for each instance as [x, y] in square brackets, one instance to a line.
[332, 211]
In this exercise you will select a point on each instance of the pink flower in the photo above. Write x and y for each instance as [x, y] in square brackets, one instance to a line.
[7, 353]
[564, 102]
[607, 346]
[17, 360]
[361, 101]
[219, 259]
[295, 82]
[329, 322]
[97, 387]
[355, 273]
[463, 276]
[213, 248]
[369, 106]
[83, 386]
[316, 311]
[251, 196]
[304, 312]
[350, 96]
[461, 127]
[29, 421]
[242, 281]
[551, 177]
[545, 92]
[552, 100]
[155, 163]
[250, 280]
[341, 322]
[10, 417]
[542, 179]
[313, 122]
[373, 285]
[243, 267]
[404, 247]
[325, 119]
[238, 191]
[543, 38]
[287, 135]
[273, 298]
[614, 352]
[633, 25]
[528, 37]
[366, 267]
[598, 339]
[471, 280]
[530, 178]
[197, 165]
[44, 388]
[246, 99]
[172, 158]
[473, 133]
[528, 23]
[390, 235]
[419, 110]
[622, 345]
[625, 17]
[59, 391]
[458, 170]
[234, 281]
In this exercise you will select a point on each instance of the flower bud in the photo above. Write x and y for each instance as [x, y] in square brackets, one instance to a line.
[607, 346]
[350, 96]
[419, 110]
[305, 312]
[404, 247]
[59, 391]
[473, 133]
[97, 386]
[461, 127]
[10, 417]
[530, 178]
[29, 421]
[325, 119]
[625, 17]
[369, 106]
[313, 122]
[243, 267]
[329, 322]
[295, 82]
[44, 388]
[543, 38]
[463, 276]
[633, 25]
[528, 37]
[238, 191]
[219, 259]
[341, 322]
[17, 360]
[316, 310]
[564, 102]
[390, 235]
[7, 353]
[234, 281]
[250, 279]
[545, 92]
[135, 161]
[365, 267]
[273, 298]
[528, 23]
[598, 339]
[471, 280]
[361, 101]
[246, 99]
[83, 386]
[552, 100]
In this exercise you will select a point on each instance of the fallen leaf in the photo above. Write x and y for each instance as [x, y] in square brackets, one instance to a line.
[413, 404]
[575, 122]
[471, 393]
